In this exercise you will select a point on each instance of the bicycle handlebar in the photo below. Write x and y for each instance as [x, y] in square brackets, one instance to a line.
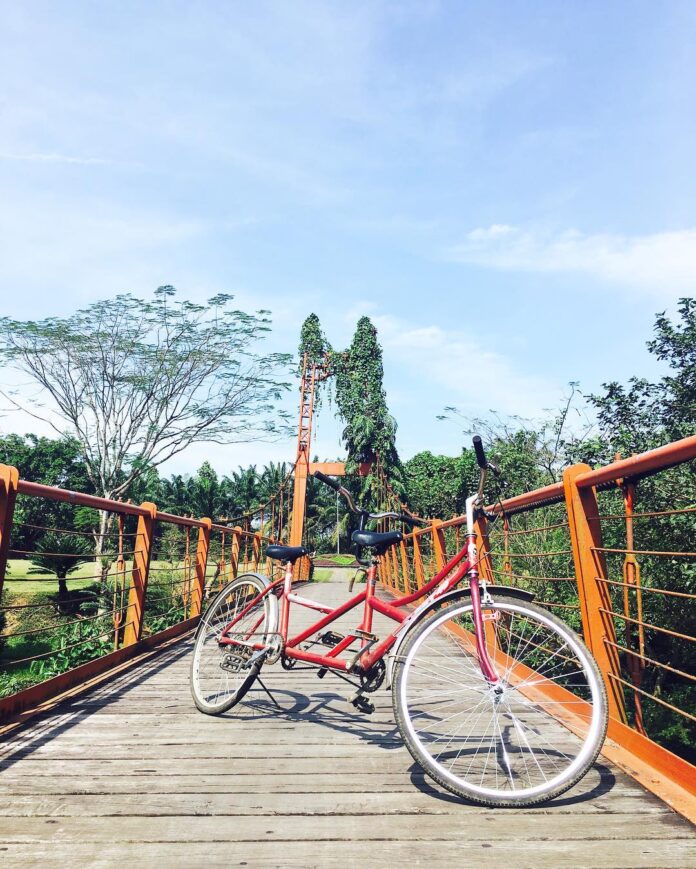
[337, 487]
[327, 481]
[480, 453]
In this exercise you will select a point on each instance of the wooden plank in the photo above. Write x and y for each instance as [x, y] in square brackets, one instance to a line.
[554, 853]
[268, 802]
[483, 826]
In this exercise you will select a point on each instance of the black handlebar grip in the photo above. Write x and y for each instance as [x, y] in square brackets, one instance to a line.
[332, 484]
[480, 454]
[411, 520]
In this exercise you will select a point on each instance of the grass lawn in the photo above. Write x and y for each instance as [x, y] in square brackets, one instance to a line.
[340, 560]
[18, 580]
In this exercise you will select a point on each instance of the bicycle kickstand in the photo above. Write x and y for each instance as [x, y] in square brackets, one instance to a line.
[268, 692]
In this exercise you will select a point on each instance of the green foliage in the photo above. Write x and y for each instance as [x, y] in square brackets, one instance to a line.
[323, 507]
[438, 486]
[313, 342]
[369, 430]
[61, 554]
[53, 462]
[631, 418]
[65, 647]
[643, 414]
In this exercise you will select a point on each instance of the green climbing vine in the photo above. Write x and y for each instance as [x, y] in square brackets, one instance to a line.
[313, 342]
[369, 429]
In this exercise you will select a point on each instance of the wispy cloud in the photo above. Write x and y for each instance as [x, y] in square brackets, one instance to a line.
[662, 264]
[56, 158]
[474, 377]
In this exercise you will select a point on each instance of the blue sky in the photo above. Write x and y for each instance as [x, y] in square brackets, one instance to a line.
[508, 189]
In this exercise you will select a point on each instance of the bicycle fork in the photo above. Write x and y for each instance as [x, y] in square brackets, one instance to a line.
[487, 667]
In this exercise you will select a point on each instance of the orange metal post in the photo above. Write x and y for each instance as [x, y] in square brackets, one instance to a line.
[256, 550]
[586, 538]
[404, 566]
[298, 500]
[201, 565]
[234, 552]
[438, 544]
[485, 568]
[9, 479]
[418, 562]
[141, 570]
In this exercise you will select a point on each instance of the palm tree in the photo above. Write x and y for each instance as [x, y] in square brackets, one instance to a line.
[61, 554]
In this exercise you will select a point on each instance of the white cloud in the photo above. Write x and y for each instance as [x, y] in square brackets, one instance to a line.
[55, 158]
[458, 367]
[661, 264]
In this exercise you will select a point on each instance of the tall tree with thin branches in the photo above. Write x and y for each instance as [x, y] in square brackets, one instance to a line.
[136, 381]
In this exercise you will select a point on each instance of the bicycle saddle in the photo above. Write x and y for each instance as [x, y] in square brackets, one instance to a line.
[285, 553]
[374, 540]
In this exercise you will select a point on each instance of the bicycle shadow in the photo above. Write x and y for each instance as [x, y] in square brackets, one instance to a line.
[322, 711]
[598, 782]
[384, 734]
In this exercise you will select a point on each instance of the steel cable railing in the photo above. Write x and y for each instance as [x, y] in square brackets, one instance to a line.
[624, 578]
[81, 593]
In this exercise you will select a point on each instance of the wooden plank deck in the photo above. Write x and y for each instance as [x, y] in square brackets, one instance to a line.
[133, 773]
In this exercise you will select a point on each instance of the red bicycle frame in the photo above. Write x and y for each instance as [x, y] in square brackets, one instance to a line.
[465, 563]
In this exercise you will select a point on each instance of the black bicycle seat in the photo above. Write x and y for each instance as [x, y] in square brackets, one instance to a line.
[285, 553]
[374, 540]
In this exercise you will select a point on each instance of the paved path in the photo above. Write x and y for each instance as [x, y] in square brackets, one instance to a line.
[132, 773]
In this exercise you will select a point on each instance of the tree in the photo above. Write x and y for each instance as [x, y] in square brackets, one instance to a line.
[61, 554]
[53, 462]
[438, 486]
[137, 381]
[645, 414]
[370, 430]
[531, 452]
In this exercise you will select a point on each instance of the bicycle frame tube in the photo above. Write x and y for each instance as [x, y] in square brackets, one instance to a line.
[463, 563]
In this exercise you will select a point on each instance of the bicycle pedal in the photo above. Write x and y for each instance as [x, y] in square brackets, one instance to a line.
[321, 672]
[362, 704]
[331, 638]
[365, 635]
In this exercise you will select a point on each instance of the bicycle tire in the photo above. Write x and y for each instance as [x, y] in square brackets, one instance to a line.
[214, 689]
[454, 724]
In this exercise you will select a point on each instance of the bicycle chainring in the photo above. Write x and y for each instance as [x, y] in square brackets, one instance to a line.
[374, 677]
[275, 648]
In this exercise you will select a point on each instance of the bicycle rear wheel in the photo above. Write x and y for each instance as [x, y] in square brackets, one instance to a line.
[222, 674]
[519, 743]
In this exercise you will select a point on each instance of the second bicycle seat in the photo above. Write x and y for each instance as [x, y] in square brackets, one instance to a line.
[285, 553]
[374, 540]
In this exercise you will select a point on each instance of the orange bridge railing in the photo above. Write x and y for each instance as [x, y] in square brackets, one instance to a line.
[613, 552]
[146, 586]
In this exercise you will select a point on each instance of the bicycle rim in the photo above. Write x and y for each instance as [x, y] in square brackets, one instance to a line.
[519, 743]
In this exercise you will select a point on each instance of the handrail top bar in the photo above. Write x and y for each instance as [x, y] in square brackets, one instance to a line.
[190, 522]
[653, 460]
[645, 463]
[24, 487]
[230, 529]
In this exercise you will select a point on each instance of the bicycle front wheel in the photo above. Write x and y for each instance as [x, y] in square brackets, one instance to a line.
[520, 742]
[221, 674]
